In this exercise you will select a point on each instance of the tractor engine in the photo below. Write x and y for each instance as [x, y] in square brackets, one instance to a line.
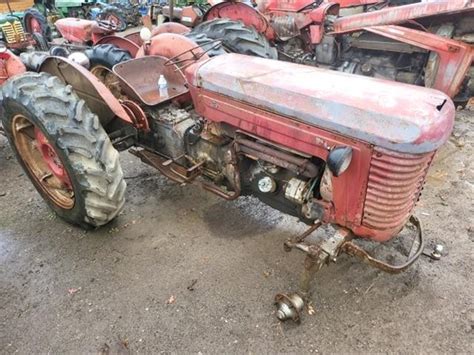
[280, 178]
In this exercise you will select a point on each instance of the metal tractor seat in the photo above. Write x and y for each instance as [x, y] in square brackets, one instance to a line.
[139, 79]
[396, 116]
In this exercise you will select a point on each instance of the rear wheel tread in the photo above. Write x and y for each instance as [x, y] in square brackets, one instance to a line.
[78, 137]
[237, 37]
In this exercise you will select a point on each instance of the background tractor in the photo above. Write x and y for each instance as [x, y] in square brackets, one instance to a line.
[22, 26]
[86, 41]
[417, 43]
[323, 146]
[98, 10]
[81, 34]
[10, 65]
[188, 12]
[132, 10]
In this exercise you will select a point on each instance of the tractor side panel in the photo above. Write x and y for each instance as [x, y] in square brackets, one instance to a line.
[348, 196]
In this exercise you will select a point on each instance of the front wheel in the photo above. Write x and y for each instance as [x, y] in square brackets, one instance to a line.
[35, 22]
[63, 149]
[115, 18]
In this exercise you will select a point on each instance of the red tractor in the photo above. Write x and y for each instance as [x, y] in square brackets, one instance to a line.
[80, 33]
[323, 146]
[427, 43]
[103, 47]
[10, 65]
[96, 39]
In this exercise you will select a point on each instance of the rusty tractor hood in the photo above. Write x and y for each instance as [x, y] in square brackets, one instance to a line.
[395, 116]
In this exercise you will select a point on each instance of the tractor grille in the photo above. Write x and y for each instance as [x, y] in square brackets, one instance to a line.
[13, 32]
[394, 186]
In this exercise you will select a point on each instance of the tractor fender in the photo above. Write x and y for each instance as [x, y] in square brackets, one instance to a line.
[170, 45]
[120, 42]
[170, 27]
[135, 38]
[96, 95]
[239, 11]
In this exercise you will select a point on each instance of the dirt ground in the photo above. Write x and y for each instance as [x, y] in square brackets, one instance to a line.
[65, 290]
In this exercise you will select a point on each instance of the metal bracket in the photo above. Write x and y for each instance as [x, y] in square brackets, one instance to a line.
[436, 253]
[289, 306]
[416, 249]
[181, 64]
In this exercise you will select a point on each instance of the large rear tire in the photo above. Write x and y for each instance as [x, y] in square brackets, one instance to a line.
[63, 149]
[237, 37]
[102, 58]
[212, 48]
[107, 55]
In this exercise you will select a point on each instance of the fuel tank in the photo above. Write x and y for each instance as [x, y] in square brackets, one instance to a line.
[77, 30]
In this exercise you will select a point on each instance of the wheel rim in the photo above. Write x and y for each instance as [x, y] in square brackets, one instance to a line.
[43, 162]
[113, 19]
[35, 25]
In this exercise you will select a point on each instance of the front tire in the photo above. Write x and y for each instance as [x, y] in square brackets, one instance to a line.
[35, 22]
[41, 44]
[63, 148]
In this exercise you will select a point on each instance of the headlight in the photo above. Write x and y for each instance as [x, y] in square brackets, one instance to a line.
[339, 160]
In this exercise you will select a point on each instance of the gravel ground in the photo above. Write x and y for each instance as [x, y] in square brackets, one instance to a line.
[126, 286]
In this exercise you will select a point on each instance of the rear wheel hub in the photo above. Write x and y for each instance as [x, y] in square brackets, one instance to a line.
[35, 25]
[43, 162]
